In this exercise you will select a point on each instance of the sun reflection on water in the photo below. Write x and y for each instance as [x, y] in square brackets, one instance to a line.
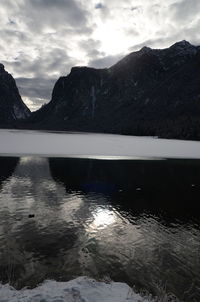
[102, 218]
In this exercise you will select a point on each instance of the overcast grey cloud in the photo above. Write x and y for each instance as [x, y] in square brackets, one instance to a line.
[99, 6]
[42, 14]
[103, 9]
[36, 90]
[185, 11]
[41, 40]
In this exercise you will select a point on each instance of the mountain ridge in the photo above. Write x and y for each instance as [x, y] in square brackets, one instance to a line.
[12, 108]
[149, 92]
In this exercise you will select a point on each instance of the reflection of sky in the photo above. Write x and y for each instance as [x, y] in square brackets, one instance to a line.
[30, 187]
[70, 207]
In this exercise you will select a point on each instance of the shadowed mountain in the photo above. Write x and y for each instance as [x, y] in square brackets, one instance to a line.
[149, 92]
[12, 107]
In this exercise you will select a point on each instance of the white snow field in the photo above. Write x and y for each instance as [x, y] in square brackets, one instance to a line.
[52, 144]
[81, 289]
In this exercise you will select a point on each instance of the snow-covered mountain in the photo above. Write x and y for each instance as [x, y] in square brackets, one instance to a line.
[12, 107]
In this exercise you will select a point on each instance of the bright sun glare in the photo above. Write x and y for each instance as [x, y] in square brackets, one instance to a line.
[112, 39]
[103, 218]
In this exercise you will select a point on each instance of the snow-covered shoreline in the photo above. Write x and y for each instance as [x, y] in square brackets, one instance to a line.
[81, 289]
[88, 145]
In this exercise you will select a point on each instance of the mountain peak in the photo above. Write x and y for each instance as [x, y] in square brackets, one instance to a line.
[145, 49]
[184, 48]
[182, 44]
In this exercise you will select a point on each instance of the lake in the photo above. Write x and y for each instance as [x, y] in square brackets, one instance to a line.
[135, 221]
[109, 207]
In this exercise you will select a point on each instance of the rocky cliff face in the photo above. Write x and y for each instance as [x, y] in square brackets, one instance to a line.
[149, 92]
[12, 107]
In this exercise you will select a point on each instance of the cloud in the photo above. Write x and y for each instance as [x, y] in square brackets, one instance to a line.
[185, 11]
[42, 73]
[35, 87]
[103, 10]
[135, 8]
[99, 6]
[35, 91]
[91, 48]
[53, 14]
[40, 40]
[49, 63]
[154, 43]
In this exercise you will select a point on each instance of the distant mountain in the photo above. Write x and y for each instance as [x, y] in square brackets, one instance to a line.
[149, 92]
[12, 107]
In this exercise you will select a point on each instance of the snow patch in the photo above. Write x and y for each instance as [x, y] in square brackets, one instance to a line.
[111, 146]
[81, 289]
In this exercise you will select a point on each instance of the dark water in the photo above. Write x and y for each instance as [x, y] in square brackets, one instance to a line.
[131, 221]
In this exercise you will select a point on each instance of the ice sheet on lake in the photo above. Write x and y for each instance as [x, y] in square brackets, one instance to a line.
[41, 143]
[81, 289]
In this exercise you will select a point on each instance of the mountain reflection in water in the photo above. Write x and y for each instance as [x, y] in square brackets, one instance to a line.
[171, 185]
[133, 221]
[7, 167]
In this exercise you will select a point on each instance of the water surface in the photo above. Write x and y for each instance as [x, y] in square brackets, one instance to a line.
[133, 221]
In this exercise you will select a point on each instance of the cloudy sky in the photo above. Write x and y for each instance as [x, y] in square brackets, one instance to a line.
[41, 40]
